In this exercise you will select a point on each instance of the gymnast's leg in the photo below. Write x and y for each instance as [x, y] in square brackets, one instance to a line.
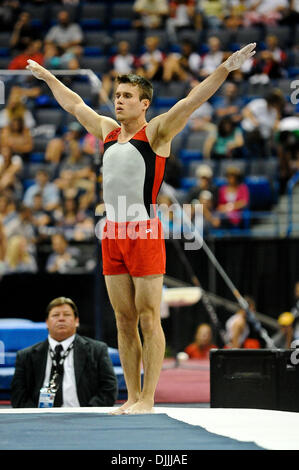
[148, 294]
[121, 293]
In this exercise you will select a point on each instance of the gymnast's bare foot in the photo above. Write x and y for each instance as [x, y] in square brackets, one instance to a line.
[123, 409]
[141, 407]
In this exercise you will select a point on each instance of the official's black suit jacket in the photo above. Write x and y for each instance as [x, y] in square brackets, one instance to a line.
[95, 379]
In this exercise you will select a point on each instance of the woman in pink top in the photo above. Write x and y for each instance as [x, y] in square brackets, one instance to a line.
[232, 199]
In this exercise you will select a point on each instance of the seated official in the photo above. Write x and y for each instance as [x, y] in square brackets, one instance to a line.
[80, 367]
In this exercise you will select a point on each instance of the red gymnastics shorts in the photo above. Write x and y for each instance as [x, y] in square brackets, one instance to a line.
[135, 248]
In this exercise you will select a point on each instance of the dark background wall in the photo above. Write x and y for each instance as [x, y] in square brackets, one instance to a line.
[266, 269]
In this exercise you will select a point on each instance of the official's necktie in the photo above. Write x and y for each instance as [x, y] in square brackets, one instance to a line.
[59, 369]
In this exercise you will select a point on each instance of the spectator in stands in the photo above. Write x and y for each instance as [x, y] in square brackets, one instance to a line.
[204, 175]
[49, 191]
[203, 343]
[67, 35]
[212, 11]
[16, 108]
[269, 63]
[58, 148]
[40, 217]
[234, 14]
[224, 142]
[290, 15]
[10, 169]
[229, 104]
[55, 57]
[18, 259]
[83, 176]
[27, 227]
[9, 13]
[86, 376]
[151, 61]
[121, 63]
[181, 16]
[268, 12]
[183, 66]
[75, 223]
[238, 329]
[32, 51]
[261, 118]
[68, 187]
[213, 58]
[233, 198]
[204, 204]
[8, 214]
[150, 14]
[285, 336]
[17, 137]
[23, 33]
[63, 259]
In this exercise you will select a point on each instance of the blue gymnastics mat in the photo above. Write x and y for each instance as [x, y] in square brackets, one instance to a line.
[98, 431]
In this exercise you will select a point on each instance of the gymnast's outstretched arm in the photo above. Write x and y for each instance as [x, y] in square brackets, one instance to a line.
[94, 123]
[169, 124]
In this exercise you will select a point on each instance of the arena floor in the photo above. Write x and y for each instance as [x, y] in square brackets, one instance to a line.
[173, 427]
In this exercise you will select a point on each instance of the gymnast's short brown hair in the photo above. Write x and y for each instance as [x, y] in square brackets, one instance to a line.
[62, 301]
[144, 85]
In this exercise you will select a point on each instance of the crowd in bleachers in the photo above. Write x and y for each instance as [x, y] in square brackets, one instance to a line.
[47, 173]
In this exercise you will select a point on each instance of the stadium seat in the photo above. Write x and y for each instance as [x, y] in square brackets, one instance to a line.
[284, 84]
[98, 65]
[260, 167]
[282, 33]
[261, 195]
[37, 157]
[162, 35]
[247, 35]
[38, 13]
[40, 144]
[4, 52]
[97, 39]
[225, 36]
[195, 141]
[190, 35]
[49, 116]
[4, 62]
[130, 36]
[83, 89]
[92, 16]
[224, 164]
[186, 155]
[195, 164]
[188, 183]
[4, 39]
[121, 15]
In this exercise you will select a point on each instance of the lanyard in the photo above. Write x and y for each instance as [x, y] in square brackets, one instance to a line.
[54, 382]
[62, 356]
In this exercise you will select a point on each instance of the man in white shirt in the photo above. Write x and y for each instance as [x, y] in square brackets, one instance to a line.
[85, 375]
[67, 35]
[261, 118]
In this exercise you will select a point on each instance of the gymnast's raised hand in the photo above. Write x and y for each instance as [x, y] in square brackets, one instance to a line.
[37, 70]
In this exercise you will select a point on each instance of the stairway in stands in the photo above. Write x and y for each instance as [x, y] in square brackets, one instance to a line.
[278, 224]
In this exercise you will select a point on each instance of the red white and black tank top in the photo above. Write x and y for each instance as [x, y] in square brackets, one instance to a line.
[132, 177]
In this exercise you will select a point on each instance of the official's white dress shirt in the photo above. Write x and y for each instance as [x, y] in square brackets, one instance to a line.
[69, 388]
